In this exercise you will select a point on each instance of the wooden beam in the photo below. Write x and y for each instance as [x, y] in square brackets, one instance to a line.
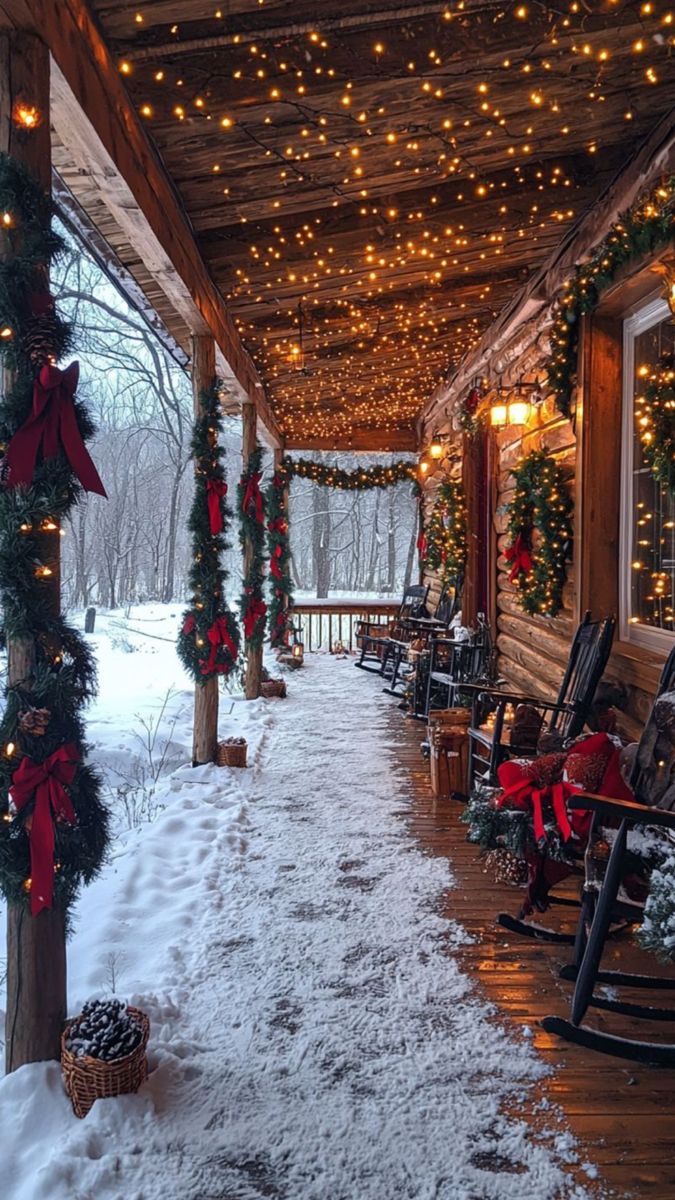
[98, 124]
[36, 946]
[205, 726]
[254, 653]
[372, 441]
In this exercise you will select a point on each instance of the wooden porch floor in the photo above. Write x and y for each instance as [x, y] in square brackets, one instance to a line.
[622, 1114]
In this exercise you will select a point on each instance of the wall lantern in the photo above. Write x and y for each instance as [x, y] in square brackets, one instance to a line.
[436, 446]
[498, 415]
[424, 466]
[519, 411]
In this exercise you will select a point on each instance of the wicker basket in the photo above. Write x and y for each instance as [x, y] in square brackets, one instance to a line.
[232, 752]
[90, 1079]
[269, 688]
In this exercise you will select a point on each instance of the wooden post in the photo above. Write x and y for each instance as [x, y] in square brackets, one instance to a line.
[254, 655]
[36, 946]
[205, 731]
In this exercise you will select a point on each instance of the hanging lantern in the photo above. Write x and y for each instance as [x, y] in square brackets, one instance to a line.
[498, 416]
[519, 411]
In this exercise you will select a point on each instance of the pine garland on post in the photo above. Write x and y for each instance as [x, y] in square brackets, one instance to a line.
[542, 504]
[54, 828]
[279, 548]
[443, 547]
[208, 641]
[251, 507]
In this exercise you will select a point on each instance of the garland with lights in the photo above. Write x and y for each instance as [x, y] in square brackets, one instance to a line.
[360, 480]
[470, 417]
[278, 545]
[54, 828]
[649, 224]
[208, 641]
[251, 506]
[542, 504]
[443, 544]
[655, 416]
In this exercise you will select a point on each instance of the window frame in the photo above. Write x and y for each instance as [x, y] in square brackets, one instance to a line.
[651, 313]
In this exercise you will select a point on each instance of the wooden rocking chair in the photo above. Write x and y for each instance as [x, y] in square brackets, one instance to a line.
[372, 637]
[456, 666]
[602, 905]
[565, 716]
[418, 629]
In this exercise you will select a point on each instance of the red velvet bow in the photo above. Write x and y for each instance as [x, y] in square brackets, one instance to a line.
[524, 794]
[52, 426]
[255, 612]
[216, 490]
[219, 635]
[189, 624]
[278, 525]
[253, 495]
[422, 544]
[46, 782]
[520, 556]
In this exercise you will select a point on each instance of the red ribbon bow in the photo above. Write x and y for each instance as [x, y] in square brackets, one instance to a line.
[219, 635]
[189, 624]
[520, 556]
[278, 525]
[524, 794]
[216, 490]
[255, 612]
[52, 426]
[253, 495]
[46, 782]
[422, 545]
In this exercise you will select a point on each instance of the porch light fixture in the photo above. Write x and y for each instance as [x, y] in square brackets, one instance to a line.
[436, 446]
[499, 415]
[519, 411]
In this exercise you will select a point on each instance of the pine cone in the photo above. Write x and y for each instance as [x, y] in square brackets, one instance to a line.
[41, 336]
[34, 721]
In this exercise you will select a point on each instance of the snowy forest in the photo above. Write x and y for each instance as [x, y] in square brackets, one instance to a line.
[134, 546]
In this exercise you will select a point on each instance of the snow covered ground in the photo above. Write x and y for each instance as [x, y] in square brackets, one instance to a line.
[312, 1035]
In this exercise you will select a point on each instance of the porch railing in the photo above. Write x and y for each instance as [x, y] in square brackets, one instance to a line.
[325, 622]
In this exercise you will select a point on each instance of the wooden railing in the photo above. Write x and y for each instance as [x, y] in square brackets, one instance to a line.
[325, 622]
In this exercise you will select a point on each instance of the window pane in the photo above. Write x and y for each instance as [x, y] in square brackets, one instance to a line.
[653, 550]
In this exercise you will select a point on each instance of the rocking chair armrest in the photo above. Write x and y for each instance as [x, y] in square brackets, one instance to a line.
[624, 810]
[499, 697]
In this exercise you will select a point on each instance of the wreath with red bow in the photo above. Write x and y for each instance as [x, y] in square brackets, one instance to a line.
[540, 532]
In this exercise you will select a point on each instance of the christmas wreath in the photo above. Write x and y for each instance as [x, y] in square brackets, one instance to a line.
[251, 505]
[280, 557]
[543, 506]
[53, 823]
[650, 223]
[655, 416]
[208, 641]
[443, 543]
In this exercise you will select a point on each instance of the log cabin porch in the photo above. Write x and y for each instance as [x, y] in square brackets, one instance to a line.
[366, 233]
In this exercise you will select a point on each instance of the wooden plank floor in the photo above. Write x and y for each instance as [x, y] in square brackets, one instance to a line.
[622, 1114]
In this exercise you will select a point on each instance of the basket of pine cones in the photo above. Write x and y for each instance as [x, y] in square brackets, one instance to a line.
[232, 752]
[103, 1053]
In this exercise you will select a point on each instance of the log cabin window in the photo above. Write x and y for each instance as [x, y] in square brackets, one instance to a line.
[647, 558]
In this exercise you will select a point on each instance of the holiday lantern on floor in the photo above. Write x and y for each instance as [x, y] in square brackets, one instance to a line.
[449, 751]
[103, 1053]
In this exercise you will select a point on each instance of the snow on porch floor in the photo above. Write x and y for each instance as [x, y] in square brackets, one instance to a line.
[313, 1036]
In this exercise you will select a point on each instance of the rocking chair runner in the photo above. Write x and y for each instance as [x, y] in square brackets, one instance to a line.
[602, 905]
[372, 635]
[566, 715]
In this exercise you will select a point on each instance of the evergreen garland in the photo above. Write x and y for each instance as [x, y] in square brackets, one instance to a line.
[649, 224]
[360, 480]
[541, 503]
[655, 416]
[43, 713]
[251, 507]
[279, 548]
[444, 541]
[208, 641]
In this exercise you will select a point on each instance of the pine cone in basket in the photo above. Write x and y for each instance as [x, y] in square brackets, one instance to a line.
[104, 1030]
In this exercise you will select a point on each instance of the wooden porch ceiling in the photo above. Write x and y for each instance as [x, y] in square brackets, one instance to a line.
[369, 187]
